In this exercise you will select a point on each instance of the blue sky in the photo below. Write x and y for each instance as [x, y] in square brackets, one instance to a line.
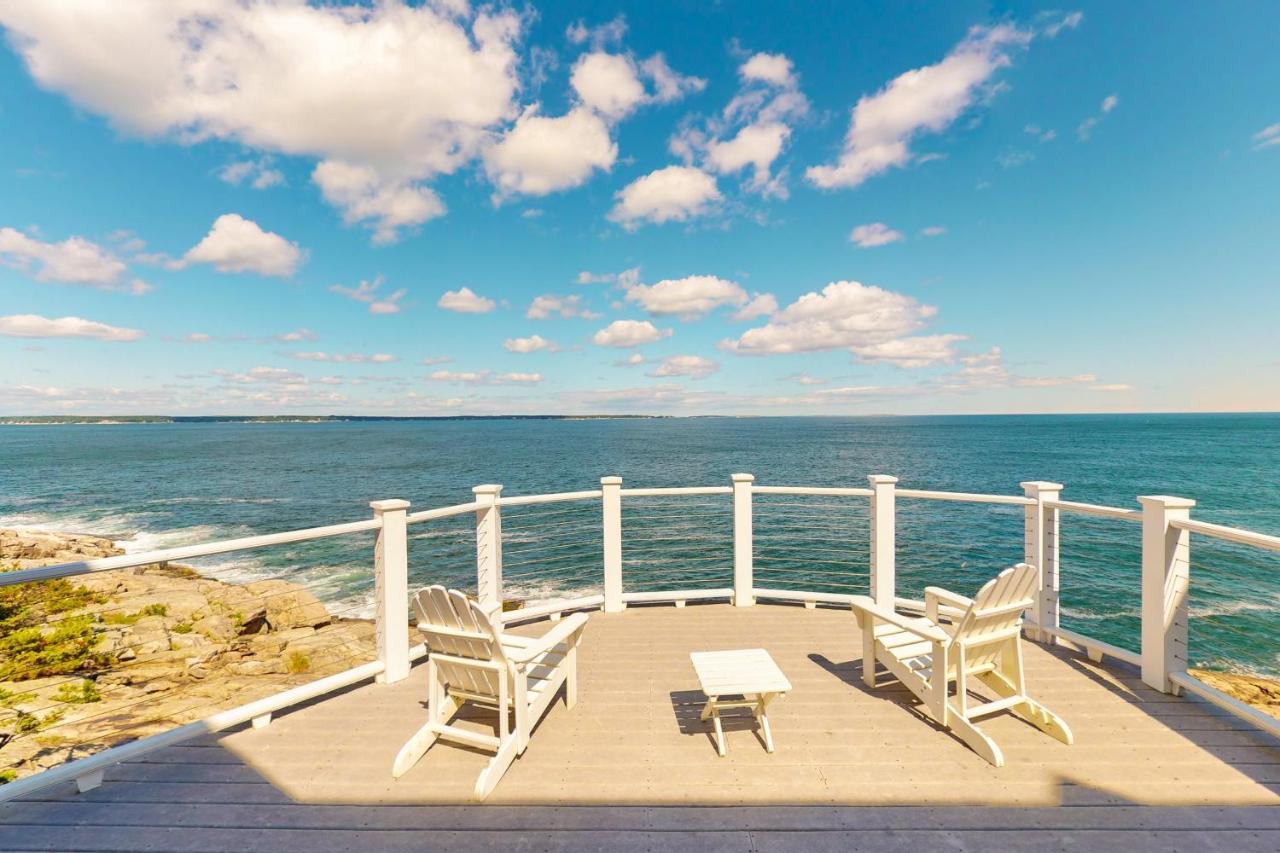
[638, 208]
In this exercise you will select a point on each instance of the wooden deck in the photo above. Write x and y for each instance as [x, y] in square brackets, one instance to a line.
[632, 766]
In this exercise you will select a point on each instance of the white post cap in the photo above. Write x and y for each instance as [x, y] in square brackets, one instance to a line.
[388, 505]
[743, 478]
[488, 489]
[1041, 486]
[880, 479]
[611, 481]
[1166, 501]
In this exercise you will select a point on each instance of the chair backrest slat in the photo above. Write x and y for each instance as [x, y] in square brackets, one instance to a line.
[996, 614]
[455, 627]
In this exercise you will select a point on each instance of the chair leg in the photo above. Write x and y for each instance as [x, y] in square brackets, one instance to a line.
[423, 738]
[571, 677]
[497, 767]
[976, 740]
[868, 649]
[1030, 710]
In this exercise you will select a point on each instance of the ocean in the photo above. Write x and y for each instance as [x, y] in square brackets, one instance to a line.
[160, 485]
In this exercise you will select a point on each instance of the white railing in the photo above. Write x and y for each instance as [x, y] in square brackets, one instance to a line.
[1165, 534]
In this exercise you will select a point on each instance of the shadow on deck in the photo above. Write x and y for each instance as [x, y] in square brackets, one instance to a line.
[633, 766]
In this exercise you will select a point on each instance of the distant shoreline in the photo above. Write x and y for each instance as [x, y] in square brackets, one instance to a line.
[125, 420]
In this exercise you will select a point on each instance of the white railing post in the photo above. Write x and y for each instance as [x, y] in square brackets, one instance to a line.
[883, 539]
[391, 589]
[1041, 549]
[743, 593]
[611, 534]
[1165, 582]
[488, 546]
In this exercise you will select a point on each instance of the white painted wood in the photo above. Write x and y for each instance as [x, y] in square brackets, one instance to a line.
[441, 512]
[680, 490]
[1165, 583]
[963, 497]
[611, 534]
[1097, 649]
[1226, 702]
[677, 595]
[743, 548]
[262, 720]
[187, 552]
[391, 589]
[1231, 534]
[1041, 549]
[89, 781]
[489, 545]
[883, 541]
[470, 659]
[980, 647]
[739, 678]
[550, 608]
[551, 498]
[811, 490]
[1096, 509]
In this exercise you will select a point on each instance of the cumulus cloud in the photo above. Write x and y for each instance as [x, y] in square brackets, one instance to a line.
[367, 292]
[543, 154]
[920, 351]
[673, 194]
[845, 315]
[549, 305]
[236, 244]
[687, 298]
[923, 100]
[387, 204]
[72, 261]
[408, 92]
[533, 343]
[257, 173]
[760, 305]
[623, 279]
[753, 129]
[874, 234]
[465, 301]
[35, 326]
[694, 366]
[345, 358]
[296, 335]
[803, 378]
[629, 333]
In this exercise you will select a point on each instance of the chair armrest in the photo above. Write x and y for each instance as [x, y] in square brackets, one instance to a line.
[947, 597]
[567, 629]
[906, 623]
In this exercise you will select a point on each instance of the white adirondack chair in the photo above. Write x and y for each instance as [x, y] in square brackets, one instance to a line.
[470, 660]
[980, 642]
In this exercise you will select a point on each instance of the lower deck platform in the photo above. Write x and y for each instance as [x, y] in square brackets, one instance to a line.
[632, 766]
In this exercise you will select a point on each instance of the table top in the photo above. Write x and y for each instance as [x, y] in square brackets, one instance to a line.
[738, 671]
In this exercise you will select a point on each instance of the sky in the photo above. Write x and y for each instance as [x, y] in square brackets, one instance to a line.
[270, 207]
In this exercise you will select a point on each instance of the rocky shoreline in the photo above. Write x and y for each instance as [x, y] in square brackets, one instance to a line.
[100, 659]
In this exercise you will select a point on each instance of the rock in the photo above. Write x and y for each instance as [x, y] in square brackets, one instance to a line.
[256, 667]
[216, 627]
[1262, 693]
[289, 605]
[188, 641]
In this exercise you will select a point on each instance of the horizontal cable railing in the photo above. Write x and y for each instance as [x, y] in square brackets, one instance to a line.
[534, 556]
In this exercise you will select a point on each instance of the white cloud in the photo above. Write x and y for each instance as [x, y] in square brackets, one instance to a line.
[676, 193]
[845, 315]
[365, 196]
[685, 365]
[465, 301]
[633, 360]
[541, 154]
[920, 351]
[623, 279]
[236, 244]
[549, 305]
[629, 333]
[1112, 387]
[345, 358]
[367, 292]
[73, 261]
[608, 83]
[668, 85]
[437, 359]
[1040, 133]
[264, 375]
[803, 378]
[258, 173]
[433, 80]
[484, 377]
[296, 335]
[533, 343]
[198, 338]
[1267, 137]
[1085, 130]
[35, 326]
[761, 305]
[933, 230]
[874, 234]
[1069, 21]
[756, 145]
[772, 68]
[926, 99]
[687, 298]
[607, 33]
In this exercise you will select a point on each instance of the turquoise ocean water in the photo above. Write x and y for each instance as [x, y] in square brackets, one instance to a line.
[168, 484]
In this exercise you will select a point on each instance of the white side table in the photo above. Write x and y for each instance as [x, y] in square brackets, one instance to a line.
[742, 678]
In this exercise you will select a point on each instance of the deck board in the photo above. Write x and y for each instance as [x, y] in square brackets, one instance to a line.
[632, 766]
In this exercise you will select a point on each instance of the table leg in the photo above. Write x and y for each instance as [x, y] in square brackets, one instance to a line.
[720, 747]
[762, 713]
